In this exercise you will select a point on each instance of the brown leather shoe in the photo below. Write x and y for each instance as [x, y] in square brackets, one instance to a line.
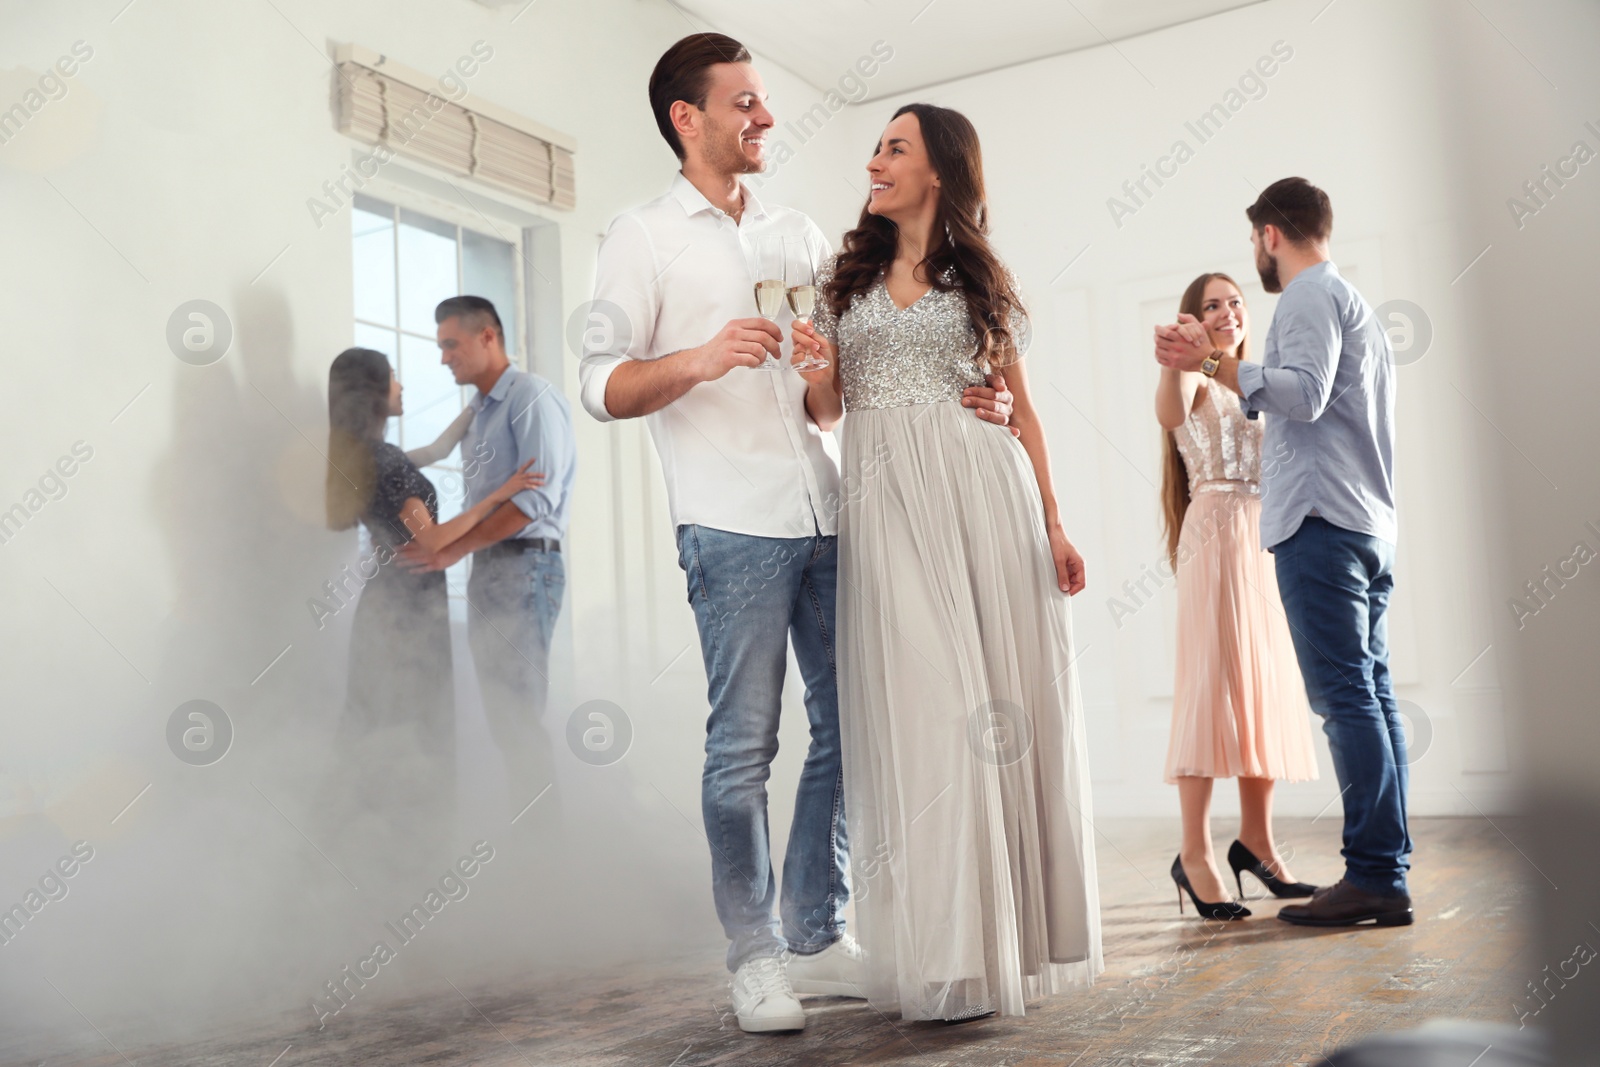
[1342, 904]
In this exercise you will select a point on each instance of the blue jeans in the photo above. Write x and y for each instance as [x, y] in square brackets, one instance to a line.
[1335, 586]
[513, 601]
[752, 596]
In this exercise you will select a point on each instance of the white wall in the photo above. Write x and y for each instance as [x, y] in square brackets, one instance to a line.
[1531, 298]
[1354, 109]
[177, 166]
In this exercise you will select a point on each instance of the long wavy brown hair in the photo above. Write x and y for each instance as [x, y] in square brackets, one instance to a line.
[960, 239]
[1174, 476]
[358, 406]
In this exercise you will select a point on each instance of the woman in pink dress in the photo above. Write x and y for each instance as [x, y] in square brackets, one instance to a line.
[1239, 706]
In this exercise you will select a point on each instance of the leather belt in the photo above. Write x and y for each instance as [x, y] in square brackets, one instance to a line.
[515, 546]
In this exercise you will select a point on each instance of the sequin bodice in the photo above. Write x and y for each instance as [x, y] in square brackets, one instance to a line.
[1219, 445]
[890, 357]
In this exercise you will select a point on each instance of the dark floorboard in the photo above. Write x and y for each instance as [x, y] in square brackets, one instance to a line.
[1176, 990]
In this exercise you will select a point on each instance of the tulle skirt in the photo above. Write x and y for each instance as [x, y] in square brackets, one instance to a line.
[966, 780]
[1239, 706]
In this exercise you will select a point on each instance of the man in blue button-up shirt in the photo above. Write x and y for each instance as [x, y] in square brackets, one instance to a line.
[518, 577]
[1326, 384]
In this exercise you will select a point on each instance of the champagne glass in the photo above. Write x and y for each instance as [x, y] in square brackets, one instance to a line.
[769, 286]
[800, 274]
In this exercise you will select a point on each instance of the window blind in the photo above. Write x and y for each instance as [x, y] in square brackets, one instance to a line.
[381, 102]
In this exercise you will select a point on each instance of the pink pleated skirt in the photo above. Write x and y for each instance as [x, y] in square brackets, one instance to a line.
[1239, 707]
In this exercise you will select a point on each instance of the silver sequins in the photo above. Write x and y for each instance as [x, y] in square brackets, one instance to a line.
[1219, 445]
[890, 357]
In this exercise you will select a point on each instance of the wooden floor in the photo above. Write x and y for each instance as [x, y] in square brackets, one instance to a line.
[1175, 990]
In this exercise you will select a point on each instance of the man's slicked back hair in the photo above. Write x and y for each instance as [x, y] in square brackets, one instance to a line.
[684, 73]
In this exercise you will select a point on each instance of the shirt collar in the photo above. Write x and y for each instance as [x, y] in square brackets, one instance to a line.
[498, 391]
[694, 201]
[1316, 270]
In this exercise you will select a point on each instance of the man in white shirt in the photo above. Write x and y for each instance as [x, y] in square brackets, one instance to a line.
[753, 487]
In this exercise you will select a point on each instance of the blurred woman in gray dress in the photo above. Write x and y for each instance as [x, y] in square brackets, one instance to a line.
[393, 790]
[966, 781]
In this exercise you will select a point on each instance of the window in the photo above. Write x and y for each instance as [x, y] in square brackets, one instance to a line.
[404, 263]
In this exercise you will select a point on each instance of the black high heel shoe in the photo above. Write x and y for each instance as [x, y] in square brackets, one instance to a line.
[1242, 859]
[1226, 909]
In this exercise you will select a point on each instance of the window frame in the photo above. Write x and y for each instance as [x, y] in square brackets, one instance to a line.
[461, 220]
[402, 198]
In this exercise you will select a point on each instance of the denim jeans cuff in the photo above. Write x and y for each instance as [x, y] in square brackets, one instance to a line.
[760, 952]
[1382, 885]
[812, 950]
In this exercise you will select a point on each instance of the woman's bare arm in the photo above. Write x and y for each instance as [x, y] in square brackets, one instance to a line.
[445, 443]
[1030, 433]
[431, 536]
[1175, 396]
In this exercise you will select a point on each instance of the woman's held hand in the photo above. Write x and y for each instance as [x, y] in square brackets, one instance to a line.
[522, 479]
[808, 342]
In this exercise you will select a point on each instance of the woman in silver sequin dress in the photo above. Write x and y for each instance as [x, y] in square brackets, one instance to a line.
[1239, 706]
[966, 780]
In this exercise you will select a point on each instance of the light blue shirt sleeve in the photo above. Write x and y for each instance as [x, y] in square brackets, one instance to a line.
[541, 423]
[1299, 382]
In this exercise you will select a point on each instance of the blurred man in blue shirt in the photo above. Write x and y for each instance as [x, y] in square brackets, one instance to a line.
[1328, 516]
[514, 593]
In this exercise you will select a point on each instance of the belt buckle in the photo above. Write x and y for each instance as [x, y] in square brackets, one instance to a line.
[541, 544]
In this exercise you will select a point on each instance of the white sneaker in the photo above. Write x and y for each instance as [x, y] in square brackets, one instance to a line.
[837, 970]
[762, 998]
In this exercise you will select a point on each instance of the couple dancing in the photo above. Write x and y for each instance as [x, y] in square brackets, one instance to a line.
[942, 700]
[400, 697]
[1305, 508]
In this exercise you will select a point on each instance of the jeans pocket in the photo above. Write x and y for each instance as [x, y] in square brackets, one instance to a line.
[689, 561]
[553, 586]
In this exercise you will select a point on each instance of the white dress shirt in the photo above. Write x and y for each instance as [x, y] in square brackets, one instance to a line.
[740, 453]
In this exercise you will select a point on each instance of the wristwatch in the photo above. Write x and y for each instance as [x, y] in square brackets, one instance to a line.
[1209, 365]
